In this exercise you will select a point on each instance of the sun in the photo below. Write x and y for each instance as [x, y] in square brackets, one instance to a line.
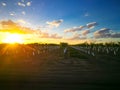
[13, 38]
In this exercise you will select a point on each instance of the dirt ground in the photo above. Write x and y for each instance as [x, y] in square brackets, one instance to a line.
[45, 72]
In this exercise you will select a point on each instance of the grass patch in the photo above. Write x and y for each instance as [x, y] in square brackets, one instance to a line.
[77, 54]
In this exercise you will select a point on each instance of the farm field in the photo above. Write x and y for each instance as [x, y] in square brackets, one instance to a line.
[59, 44]
[35, 66]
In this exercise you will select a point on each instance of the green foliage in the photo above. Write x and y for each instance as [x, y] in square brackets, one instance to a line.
[77, 54]
[63, 45]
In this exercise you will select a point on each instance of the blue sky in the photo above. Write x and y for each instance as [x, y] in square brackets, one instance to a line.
[100, 18]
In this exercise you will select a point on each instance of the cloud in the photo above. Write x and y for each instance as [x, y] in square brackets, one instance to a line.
[21, 4]
[56, 36]
[7, 23]
[4, 4]
[91, 25]
[76, 36]
[12, 14]
[48, 35]
[13, 27]
[44, 35]
[74, 29]
[21, 21]
[103, 33]
[28, 3]
[23, 12]
[85, 32]
[24, 4]
[115, 35]
[55, 23]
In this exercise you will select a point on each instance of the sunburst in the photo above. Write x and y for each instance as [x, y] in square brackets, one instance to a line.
[13, 38]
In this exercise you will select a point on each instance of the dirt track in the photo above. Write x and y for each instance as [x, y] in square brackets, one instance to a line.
[58, 73]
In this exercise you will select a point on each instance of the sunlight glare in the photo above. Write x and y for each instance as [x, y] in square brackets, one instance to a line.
[13, 38]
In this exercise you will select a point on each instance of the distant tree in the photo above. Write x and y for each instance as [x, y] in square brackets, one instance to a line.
[119, 43]
[63, 45]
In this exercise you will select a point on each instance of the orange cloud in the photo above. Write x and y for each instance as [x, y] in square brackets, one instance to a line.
[77, 36]
[12, 27]
[85, 32]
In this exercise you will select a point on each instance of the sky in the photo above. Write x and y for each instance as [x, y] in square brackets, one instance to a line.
[55, 21]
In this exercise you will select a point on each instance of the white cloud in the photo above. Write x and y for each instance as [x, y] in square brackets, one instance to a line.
[23, 12]
[24, 4]
[55, 23]
[21, 21]
[91, 25]
[74, 29]
[12, 14]
[21, 4]
[4, 4]
[28, 3]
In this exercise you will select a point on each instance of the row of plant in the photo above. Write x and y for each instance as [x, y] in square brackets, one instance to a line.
[110, 49]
